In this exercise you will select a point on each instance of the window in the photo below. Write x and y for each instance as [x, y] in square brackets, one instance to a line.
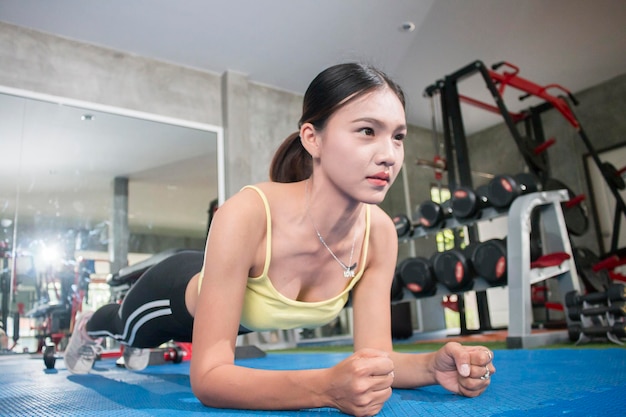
[445, 238]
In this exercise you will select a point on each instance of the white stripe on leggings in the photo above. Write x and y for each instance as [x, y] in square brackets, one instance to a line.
[144, 319]
[163, 310]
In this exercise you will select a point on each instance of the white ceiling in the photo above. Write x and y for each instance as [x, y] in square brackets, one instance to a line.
[285, 43]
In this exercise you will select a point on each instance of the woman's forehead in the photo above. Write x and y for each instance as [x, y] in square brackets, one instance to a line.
[377, 103]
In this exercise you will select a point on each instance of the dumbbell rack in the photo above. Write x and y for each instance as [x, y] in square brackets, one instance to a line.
[521, 276]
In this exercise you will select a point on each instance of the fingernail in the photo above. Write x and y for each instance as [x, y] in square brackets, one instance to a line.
[465, 369]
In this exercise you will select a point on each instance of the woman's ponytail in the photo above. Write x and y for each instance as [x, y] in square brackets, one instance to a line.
[291, 162]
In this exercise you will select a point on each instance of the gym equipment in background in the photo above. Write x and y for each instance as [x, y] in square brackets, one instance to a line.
[527, 132]
[593, 280]
[574, 210]
[416, 274]
[597, 315]
[519, 269]
[404, 225]
[503, 189]
[431, 214]
[489, 261]
[467, 203]
[453, 269]
[531, 142]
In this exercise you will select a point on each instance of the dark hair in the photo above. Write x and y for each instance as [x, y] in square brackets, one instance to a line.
[330, 90]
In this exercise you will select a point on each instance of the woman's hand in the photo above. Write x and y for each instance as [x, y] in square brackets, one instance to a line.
[464, 370]
[360, 384]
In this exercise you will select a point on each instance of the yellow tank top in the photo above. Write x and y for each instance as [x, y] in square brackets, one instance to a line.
[264, 308]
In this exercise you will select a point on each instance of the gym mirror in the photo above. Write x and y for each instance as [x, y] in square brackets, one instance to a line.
[59, 163]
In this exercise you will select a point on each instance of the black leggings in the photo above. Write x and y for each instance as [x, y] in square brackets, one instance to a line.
[153, 311]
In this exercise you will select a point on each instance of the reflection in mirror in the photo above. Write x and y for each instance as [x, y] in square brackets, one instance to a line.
[57, 175]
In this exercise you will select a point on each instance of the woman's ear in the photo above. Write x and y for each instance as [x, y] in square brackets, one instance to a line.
[310, 139]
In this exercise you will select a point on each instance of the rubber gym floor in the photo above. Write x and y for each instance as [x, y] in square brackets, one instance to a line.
[565, 381]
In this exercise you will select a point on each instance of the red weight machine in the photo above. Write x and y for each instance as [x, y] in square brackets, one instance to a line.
[531, 143]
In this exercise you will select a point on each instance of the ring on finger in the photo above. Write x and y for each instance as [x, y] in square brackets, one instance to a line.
[487, 374]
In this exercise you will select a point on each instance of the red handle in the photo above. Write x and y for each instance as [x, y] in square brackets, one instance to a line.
[545, 145]
[575, 201]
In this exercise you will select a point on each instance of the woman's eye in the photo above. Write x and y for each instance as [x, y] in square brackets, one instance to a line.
[400, 136]
[367, 131]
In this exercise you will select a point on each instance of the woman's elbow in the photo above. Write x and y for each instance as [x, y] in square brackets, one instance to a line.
[202, 389]
[206, 388]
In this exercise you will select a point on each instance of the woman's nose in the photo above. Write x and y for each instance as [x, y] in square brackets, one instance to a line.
[388, 153]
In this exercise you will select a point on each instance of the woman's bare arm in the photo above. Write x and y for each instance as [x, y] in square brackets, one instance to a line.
[358, 385]
[455, 367]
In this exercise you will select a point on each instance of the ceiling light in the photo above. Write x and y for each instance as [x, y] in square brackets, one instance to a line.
[87, 117]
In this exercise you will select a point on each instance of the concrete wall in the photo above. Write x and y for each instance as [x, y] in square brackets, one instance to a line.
[42, 63]
[273, 115]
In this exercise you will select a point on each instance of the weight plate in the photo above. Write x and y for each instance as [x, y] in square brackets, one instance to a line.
[576, 217]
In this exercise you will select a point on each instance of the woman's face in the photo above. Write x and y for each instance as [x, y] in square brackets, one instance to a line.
[361, 148]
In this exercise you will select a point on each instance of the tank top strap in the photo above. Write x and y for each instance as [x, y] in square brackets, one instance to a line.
[268, 217]
[268, 248]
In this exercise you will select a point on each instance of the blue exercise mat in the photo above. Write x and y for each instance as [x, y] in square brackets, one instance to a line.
[544, 382]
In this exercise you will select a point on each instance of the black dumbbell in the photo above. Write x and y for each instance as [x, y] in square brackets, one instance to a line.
[615, 292]
[403, 224]
[617, 309]
[416, 274]
[173, 354]
[466, 203]
[502, 190]
[49, 356]
[489, 260]
[617, 329]
[453, 269]
[431, 214]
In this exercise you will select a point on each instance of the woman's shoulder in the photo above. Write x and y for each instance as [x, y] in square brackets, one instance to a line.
[245, 203]
[383, 234]
[379, 219]
[253, 197]
[277, 194]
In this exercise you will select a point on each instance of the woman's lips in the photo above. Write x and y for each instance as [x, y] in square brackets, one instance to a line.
[380, 179]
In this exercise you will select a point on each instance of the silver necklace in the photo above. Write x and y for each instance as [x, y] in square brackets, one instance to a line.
[348, 270]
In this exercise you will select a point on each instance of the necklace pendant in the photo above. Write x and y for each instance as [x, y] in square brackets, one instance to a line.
[348, 272]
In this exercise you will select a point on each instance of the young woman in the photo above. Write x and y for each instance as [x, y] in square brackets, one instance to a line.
[286, 254]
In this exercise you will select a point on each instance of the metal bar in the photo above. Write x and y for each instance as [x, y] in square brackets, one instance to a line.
[536, 90]
[491, 108]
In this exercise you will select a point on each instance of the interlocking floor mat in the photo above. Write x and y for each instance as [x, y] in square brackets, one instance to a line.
[543, 382]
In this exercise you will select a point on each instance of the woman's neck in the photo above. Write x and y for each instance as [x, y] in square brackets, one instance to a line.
[334, 215]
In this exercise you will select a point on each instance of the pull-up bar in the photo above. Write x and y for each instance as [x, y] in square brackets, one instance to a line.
[510, 78]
